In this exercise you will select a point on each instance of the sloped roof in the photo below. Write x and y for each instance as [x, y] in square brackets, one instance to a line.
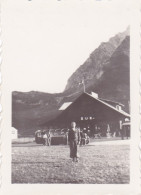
[110, 106]
[105, 100]
[84, 105]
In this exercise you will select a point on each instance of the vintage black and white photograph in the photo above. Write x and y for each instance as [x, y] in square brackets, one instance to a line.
[70, 91]
[76, 127]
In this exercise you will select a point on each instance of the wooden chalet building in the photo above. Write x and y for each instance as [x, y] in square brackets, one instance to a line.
[90, 112]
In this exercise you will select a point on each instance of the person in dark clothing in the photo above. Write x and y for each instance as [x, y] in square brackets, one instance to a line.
[73, 139]
[83, 138]
[127, 132]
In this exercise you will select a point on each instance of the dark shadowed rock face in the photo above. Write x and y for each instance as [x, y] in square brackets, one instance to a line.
[105, 72]
[114, 84]
[92, 69]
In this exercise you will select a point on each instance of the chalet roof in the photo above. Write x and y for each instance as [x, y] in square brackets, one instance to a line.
[110, 106]
[117, 103]
[85, 106]
[67, 104]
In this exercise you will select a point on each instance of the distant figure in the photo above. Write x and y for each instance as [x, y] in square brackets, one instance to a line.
[89, 132]
[122, 134]
[73, 139]
[121, 131]
[83, 138]
[99, 132]
[44, 139]
[49, 138]
[127, 132]
[93, 132]
[84, 130]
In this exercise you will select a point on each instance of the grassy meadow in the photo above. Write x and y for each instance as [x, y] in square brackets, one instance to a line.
[98, 164]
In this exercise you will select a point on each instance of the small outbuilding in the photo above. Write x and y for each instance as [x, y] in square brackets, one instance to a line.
[14, 133]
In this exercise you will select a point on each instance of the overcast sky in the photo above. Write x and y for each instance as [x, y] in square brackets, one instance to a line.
[47, 40]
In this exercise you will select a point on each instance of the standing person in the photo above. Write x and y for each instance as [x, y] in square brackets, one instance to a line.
[122, 130]
[81, 135]
[73, 139]
[49, 138]
[83, 138]
[88, 131]
[44, 138]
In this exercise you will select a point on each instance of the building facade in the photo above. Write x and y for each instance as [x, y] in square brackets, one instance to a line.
[91, 113]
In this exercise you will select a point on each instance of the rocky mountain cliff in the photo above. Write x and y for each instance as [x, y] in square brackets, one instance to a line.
[105, 72]
[92, 69]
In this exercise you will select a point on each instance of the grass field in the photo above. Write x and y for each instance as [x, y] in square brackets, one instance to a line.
[105, 164]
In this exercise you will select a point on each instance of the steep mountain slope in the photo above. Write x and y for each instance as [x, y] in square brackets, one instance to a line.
[92, 69]
[114, 84]
[106, 72]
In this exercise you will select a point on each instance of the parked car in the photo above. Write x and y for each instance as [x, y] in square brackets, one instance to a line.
[39, 137]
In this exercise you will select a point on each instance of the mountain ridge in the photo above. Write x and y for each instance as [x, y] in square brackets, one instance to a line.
[96, 60]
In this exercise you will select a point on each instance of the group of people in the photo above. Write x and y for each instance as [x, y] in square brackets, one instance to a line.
[84, 138]
[46, 138]
[75, 138]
